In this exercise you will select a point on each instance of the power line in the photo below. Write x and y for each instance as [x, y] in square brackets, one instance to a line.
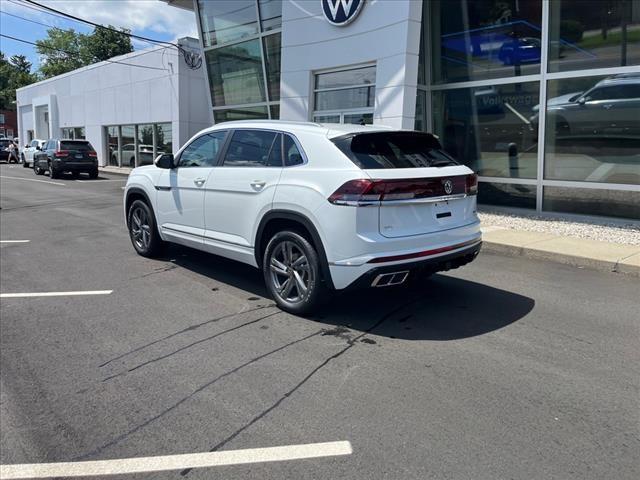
[72, 54]
[193, 60]
[89, 22]
[48, 24]
[34, 21]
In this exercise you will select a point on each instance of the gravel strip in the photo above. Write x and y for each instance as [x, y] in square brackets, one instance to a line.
[627, 234]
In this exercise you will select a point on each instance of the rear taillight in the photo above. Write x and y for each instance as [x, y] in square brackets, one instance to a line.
[365, 191]
[92, 154]
[472, 184]
[61, 153]
[356, 191]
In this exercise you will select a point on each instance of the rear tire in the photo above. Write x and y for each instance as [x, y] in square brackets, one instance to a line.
[143, 230]
[93, 174]
[53, 173]
[37, 170]
[25, 164]
[291, 269]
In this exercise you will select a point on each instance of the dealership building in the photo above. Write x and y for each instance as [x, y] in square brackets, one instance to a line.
[540, 97]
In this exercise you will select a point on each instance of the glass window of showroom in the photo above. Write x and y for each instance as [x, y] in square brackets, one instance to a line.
[540, 98]
[242, 49]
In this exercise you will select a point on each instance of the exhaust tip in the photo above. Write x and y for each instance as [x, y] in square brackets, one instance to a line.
[390, 279]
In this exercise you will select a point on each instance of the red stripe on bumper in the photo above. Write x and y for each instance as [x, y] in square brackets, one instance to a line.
[425, 253]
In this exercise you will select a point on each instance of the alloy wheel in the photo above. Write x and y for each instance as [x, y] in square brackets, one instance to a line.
[140, 228]
[290, 272]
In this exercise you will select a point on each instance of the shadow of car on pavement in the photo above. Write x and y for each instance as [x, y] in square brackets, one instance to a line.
[439, 308]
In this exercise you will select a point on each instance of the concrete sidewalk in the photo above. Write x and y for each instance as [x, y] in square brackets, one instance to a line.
[604, 256]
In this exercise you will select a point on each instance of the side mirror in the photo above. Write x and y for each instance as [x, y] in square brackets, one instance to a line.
[38, 147]
[164, 161]
[582, 100]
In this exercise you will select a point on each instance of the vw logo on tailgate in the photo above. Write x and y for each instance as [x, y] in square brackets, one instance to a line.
[448, 186]
[341, 12]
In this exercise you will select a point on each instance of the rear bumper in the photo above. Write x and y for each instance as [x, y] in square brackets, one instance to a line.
[75, 166]
[415, 269]
[440, 251]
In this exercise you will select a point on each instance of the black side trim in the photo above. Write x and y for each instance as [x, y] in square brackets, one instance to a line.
[296, 217]
[163, 189]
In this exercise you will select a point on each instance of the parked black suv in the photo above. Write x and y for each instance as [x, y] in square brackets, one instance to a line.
[61, 155]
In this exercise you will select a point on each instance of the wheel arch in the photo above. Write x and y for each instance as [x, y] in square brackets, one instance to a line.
[133, 194]
[277, 219]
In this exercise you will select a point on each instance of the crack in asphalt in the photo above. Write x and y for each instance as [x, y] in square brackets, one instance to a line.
[125, 435]
[181, 349]
[168, 268]
[184, 330]
[264, 413]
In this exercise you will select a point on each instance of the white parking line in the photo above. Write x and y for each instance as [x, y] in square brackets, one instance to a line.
[175, 462]
[34, 180]
[15, 241]
[55, 294]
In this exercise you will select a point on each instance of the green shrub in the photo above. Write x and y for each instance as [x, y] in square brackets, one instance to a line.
[571, 31]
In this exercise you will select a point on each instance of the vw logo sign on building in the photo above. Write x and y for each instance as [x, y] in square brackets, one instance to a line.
[341, 12]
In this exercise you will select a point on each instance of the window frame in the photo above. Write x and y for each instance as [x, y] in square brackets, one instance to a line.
[313, 112]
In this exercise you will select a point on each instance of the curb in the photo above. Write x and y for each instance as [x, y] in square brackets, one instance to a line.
[621, 265]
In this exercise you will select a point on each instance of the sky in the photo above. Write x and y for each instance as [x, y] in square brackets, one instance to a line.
[149, 18]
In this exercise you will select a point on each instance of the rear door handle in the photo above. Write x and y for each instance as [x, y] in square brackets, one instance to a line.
[608, 106]
[259, 184]
[199, 181]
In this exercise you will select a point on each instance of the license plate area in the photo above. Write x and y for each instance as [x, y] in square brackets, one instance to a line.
[402, 220]
[442, 210]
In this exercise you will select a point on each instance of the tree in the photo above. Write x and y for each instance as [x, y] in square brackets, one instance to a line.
[66, 50]
[104, 44]
[59, 52]
[14, 73]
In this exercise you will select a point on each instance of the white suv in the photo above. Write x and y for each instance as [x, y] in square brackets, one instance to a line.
[315, 207]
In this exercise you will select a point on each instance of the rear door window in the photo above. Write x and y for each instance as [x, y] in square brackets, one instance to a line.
[381, 150]
[249, 148]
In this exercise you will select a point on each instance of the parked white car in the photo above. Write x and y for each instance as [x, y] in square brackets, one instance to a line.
[315, 207]
[29, 151]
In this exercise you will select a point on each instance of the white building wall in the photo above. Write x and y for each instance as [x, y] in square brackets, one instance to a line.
[158, 89]
[386, 32]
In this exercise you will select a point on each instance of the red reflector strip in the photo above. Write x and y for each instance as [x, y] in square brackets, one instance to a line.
[425, 253]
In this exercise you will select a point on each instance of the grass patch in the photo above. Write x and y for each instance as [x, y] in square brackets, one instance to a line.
[614, 38]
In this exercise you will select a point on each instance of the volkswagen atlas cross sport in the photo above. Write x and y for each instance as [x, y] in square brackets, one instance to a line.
[315, 207]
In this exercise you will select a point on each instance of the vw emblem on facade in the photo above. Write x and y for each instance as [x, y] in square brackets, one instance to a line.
[341, 12]
[448, 186]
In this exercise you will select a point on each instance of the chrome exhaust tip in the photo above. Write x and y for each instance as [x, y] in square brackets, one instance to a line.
[389, 279]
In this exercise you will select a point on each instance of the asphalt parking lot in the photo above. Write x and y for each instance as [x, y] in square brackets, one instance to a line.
[505, 369]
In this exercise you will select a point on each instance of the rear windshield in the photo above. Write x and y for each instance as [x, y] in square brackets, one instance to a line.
[78, 146]
[394, 150]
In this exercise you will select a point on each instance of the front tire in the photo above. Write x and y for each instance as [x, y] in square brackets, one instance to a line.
[143, 230]
[37, 170]
[291, 269]
[25, 164]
